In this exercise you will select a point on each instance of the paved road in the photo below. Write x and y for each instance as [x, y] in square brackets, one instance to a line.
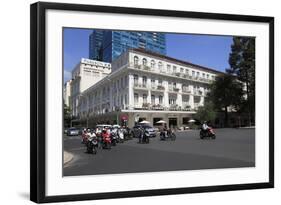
[232, 148]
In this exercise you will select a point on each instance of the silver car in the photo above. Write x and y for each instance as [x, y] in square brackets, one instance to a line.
[73, 131]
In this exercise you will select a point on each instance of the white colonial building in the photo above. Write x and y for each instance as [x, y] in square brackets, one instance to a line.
[85, 74]
[145, 85]
[67, 92]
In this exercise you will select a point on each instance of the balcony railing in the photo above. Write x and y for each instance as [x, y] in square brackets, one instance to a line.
[173, 89]
[158, 87]
[198, 92]
[186, 91]
[144, 86]
[177, 74]
[174, 107]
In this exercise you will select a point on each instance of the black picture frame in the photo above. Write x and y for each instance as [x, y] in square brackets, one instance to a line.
[38, 104]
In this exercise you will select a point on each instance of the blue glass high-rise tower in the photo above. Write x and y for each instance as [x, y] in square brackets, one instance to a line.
[116, 42]
[95, 45]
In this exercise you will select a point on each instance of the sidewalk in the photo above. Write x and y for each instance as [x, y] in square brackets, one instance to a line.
[67, 157]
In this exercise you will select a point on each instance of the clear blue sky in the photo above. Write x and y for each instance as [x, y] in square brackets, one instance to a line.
[205, 50]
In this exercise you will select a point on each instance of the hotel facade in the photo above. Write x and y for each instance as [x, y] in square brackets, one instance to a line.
[85, 74]
[144, 86]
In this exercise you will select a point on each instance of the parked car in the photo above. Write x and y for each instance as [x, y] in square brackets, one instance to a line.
[103, 126]
[136, 130]
[73, 131]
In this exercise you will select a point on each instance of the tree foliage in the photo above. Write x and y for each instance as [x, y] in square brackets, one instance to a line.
[242, 65]
[226, 92]
[206, 112]
[67, 115]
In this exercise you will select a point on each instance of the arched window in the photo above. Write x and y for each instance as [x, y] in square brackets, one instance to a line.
[136, 60]
[160, 65]
[144, 61]
[152, 64]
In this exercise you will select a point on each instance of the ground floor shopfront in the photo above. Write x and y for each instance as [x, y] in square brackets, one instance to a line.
[175, 119]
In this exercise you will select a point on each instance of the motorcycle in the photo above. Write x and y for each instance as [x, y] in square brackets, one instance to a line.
[92, 144]
[169, 134]
[208, 133]
[120, 134]
[144, 137]
[127, 134]
[106, 140]
[113, 137]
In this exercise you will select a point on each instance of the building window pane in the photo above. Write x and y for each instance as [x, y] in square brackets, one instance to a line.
[169, 68]
[160, 99]
[144, 97]
[174, 69]
[152, 64]
[136, 60]
[136, 79]
[152, 99]
[144, 61]
[136, 98]
[144, 80]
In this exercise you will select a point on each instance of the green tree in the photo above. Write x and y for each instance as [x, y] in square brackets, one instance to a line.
[67, 116]
[206, 112]
[226, 92]
[242, 64]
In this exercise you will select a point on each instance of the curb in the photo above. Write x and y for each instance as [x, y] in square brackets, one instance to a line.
[67, 157]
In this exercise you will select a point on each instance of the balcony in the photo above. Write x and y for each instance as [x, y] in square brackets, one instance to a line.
[174, 90]
[140, 86]
[173, 74]
[148, 106]
[198, 92]
[159, 88]
[186, 91]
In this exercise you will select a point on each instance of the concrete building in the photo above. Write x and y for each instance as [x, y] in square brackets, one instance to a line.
[85, 74]
[67, 93]
[146, 85]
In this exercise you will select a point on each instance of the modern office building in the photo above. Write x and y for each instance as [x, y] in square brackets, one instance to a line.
[85, 74]
[107, 45]
[146, 85]
[95, 45]
[117, 42]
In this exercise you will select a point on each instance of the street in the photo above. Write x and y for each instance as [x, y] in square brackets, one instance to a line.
[232, 148]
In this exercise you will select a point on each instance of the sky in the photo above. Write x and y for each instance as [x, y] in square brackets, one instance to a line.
[205, 50]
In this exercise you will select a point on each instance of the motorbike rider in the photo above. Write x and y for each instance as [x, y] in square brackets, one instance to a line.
[163, 130]
[84, 135]
[141, 133]
[205, 127]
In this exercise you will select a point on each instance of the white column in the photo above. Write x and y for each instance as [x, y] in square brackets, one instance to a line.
[191, 97]
[191, 101]
[148, 84]
[202, 100]
[140, 80]
[110, 97]
[149, 96]
[131, 91]
[179, 96]
[166, 94]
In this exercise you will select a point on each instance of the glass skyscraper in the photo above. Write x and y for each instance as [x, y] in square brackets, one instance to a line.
[95, 45]
[116, 42]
